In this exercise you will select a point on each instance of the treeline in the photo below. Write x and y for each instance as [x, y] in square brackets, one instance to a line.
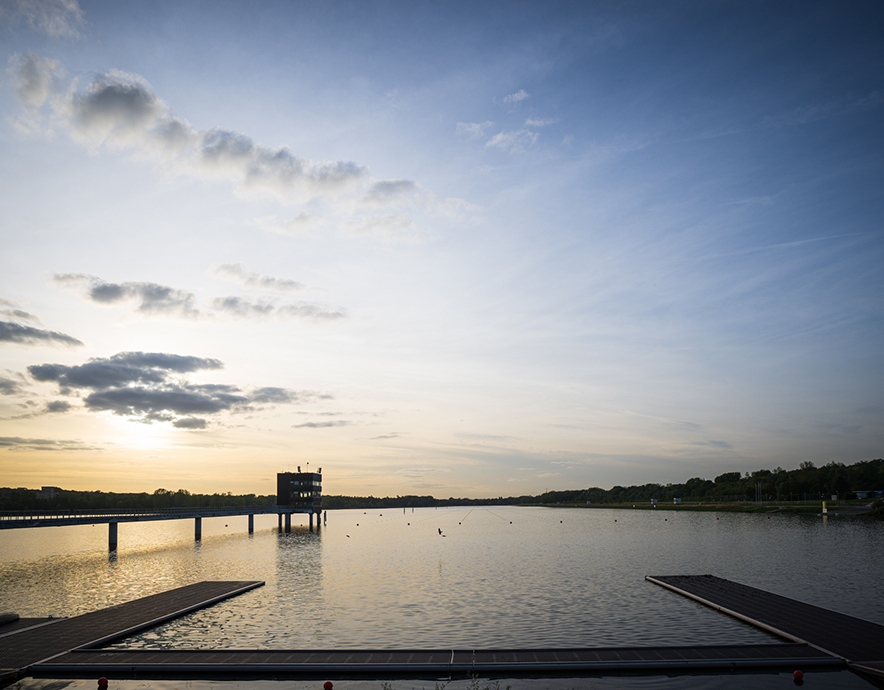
[808, 482]
[30, 499]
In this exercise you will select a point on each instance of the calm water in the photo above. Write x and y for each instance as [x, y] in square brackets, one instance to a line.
[500, 577]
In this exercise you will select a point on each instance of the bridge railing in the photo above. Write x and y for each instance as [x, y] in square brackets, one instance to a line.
[206, 511]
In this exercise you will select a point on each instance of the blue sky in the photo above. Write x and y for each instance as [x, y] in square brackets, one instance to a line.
[460, 249]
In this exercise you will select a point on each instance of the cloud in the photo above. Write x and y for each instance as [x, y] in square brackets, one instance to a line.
[239, 273]
[244, 308]
[190, 423]
[473, 130]
[390, 192]
[28, 335]
[123, 369]
[12, 310]
[35, 79]
[119, 111]
[56, 406]
[516, 97]
[55, 18]
[150, 387]
[10, 386]
[320, 425]
[539, 122]
[31, 444]
[152, 297]
[513, 141]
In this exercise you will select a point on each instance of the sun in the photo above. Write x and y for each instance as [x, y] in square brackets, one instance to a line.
[135, 435]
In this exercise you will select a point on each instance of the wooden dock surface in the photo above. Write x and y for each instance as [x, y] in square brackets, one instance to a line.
[428, 663]
[21, 649]
[854, 639]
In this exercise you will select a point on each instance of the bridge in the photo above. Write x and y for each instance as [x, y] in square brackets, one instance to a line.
[299, 492]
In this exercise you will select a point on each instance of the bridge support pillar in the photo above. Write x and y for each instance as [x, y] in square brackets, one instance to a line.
[197, 529]
[112, 536]
[251, 524]
[288, 522]
[311, 522]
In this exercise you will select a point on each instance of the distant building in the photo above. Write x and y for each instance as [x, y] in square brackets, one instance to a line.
[676, 501]
[48, 492]
[300, 490]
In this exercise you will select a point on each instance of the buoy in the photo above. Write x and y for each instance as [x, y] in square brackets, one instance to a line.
[327, 685]
[102, 682]
[798, 675]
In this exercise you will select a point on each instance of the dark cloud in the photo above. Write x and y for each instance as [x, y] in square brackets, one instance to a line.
[123, 369]
[153, 404]
[9, 386]
[19, 443]
[320, 425]
[56, 406]
[28, 335]
[152, 297]
[190, 423]
[150, 387]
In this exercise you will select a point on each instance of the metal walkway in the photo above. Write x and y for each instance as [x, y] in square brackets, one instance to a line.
[859, 641]
[428, 663]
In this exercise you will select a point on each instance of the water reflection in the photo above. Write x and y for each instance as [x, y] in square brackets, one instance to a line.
[499, 577]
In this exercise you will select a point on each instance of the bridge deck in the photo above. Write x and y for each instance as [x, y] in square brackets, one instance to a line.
[854, 639]
[22, 649]
[416, 663]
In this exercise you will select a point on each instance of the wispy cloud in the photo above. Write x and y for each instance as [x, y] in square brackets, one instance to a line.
[517, 97]
[321, 425]
[473, 130]
[246, 308]
[251, 279]
[513, 141]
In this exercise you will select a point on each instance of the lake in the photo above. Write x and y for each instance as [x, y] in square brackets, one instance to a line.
[494, 577]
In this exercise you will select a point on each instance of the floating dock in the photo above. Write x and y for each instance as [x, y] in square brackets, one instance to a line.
[70, 648]
[859, 642]
[28, 644]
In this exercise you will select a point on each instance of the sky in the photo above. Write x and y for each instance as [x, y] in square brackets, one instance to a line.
[450, 248]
